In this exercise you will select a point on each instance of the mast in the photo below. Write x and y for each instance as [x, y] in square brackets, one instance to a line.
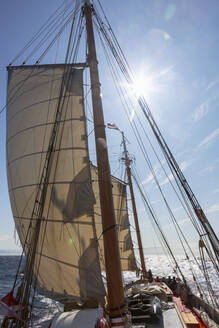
[116, 298]
[128, 170]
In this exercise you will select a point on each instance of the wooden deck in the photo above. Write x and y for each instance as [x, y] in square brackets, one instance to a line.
[187, 318]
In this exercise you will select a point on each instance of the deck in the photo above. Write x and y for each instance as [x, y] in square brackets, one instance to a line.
[169, 319]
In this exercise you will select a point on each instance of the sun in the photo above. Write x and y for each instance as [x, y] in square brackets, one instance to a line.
[144, 86]
[148, 83]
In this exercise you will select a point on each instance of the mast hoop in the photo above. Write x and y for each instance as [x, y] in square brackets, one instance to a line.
[109, 228]
[99, 126]
[95, 84]
[118, 308]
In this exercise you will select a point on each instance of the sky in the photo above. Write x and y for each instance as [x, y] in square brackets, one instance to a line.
[173, 48]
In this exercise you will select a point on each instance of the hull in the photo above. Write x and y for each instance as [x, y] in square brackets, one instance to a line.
[208, 315]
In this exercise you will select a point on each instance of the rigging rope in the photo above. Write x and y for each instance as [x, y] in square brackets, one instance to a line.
[62, 20]
[53, 19]
[113, 50]
[32, 241]
[125, 70]
[72, 52]
[140, 143]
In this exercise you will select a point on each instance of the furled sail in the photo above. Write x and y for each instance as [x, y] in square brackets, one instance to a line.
[127, 256]
[67, 256]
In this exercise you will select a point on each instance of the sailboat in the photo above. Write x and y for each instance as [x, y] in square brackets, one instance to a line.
[72, 216]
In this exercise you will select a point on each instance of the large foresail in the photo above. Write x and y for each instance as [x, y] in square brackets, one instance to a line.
[127, 256]
[67, 256]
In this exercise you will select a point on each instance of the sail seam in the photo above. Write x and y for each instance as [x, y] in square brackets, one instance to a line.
[35, 104]
[44, 152]
[40, 125]
[55, 220]
[48, 183]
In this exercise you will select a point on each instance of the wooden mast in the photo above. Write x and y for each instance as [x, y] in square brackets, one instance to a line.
[128, 170]
[116, 298]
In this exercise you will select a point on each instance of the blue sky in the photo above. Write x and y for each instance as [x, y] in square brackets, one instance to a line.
[173, 48]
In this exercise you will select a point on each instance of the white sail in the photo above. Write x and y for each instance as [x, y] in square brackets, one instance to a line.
[67, 250]
[127, 256]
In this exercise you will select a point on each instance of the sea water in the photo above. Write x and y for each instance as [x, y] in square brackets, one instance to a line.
[45, 308]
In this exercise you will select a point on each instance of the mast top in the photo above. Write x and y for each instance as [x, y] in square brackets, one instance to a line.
[126, 159]
[85, 2]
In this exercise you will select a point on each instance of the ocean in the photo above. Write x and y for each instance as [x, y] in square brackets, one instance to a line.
[45, 308]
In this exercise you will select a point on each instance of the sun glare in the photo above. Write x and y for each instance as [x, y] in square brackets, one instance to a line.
[149, 84]
[144, 86]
